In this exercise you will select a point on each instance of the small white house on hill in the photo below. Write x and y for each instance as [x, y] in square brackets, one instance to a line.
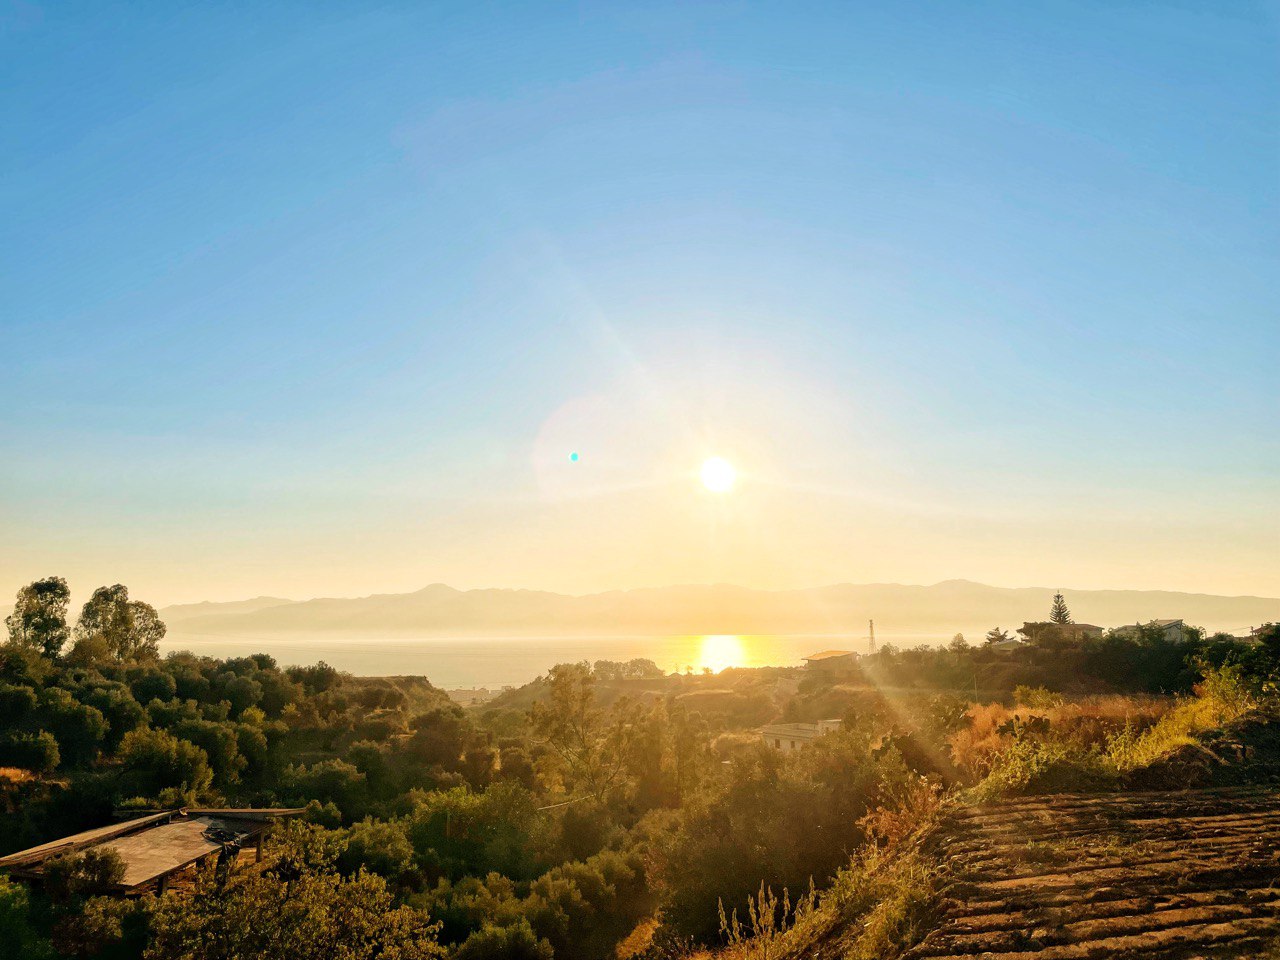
[794, 736]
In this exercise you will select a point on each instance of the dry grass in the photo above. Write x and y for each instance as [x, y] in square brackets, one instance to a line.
[1083, 724]
[1093, 743]
[1222, 698]
[638, 940]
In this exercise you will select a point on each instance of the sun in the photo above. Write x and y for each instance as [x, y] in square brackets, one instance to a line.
[718, 475]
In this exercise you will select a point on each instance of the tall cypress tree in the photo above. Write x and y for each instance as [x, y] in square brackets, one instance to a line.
[1059, 612]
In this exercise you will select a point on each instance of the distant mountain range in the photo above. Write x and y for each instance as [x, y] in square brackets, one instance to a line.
[899, 610]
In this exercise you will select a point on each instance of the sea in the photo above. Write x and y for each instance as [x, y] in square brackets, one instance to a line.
[495, 662]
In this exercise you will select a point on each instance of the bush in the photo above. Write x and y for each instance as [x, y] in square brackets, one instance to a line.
[95, 870]
[745, 832]
[299, 907]
[17, 926]
[329, 781]
[516, 942]
[379, 846]
[1037, 698]
[30, 751]
[154, 760]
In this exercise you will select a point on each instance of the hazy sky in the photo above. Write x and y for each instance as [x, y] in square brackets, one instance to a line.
[318, 299]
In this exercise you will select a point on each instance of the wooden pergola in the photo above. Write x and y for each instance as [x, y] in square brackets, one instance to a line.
[156, 847]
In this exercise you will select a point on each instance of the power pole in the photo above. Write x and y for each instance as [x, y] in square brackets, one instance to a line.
[871, 637]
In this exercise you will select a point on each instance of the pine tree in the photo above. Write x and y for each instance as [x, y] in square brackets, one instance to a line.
[1059, 613]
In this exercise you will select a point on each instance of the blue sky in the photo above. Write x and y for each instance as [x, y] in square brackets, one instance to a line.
[310, 301]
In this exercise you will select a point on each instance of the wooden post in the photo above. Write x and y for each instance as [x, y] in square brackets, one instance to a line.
[163, 885]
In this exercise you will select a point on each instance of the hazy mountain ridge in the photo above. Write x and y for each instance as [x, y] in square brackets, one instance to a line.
[185, 611]
[720, 608]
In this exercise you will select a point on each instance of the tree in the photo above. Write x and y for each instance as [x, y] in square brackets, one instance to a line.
[30, 751]
[998, 635]
[155, 760]
[1059, 612]
[39, 618]
[591, 746]
[958, 644]
[79, 874]
[131, 629]
[18, 923]
[310, 913]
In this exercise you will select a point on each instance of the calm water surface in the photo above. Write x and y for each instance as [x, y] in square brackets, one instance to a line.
[473, 661]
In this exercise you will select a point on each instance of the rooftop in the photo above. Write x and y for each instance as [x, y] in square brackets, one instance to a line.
[799, 731]
[828, 655]
[155, 845]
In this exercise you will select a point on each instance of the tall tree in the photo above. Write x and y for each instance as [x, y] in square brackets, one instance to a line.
[1059, 613]
[591, 745]
[131, 629]
[997, 635]
[39, 618]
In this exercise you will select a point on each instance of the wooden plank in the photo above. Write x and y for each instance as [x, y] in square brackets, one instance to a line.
[245, 813]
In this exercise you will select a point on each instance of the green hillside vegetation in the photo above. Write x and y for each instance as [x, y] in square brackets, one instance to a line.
[603, 810]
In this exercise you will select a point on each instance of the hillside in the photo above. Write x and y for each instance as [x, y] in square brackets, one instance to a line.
[838, 609]
[1151, 875]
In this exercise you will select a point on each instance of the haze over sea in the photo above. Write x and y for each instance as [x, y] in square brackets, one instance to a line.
[495, 662]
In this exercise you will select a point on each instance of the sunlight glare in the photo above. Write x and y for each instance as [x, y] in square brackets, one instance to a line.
[719, 651]
[718, 475]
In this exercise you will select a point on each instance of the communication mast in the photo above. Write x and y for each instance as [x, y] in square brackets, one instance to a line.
[871, 637]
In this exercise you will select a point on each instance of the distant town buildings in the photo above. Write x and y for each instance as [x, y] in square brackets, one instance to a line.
[795, 736]
[1256, 634]
[471, 696]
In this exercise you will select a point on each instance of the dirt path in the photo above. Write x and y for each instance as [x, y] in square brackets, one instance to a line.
[1140, 875]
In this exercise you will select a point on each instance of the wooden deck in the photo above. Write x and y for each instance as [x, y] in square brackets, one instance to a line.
[158, 845]
[153, 853]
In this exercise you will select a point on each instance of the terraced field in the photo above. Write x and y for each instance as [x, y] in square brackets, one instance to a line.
[1188, 874]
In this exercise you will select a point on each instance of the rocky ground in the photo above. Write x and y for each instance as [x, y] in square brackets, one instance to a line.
[1168, 874]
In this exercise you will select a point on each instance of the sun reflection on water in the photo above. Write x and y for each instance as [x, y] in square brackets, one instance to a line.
[717, 651]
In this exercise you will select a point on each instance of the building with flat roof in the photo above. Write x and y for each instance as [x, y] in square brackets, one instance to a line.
[794, 736]
[155, 847]
[831, 661]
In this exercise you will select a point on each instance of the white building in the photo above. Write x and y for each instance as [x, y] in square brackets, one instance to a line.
[793, 736]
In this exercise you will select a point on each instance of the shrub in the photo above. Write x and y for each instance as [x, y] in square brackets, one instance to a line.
[516, 942]
[155, 760]
[30, 751]
[1037, 698]
[17, 926]
[305, 909]
[77, 874]
[379, 846]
